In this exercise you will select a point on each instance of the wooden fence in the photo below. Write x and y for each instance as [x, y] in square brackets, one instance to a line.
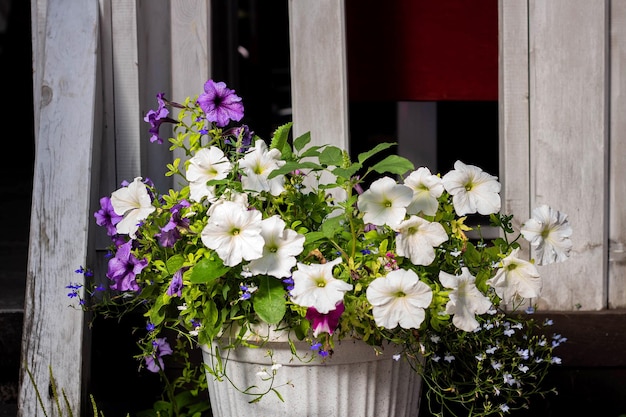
[98, 64]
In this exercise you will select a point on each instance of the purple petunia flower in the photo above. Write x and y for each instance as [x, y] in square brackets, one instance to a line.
[123, 269]
[244, 133]
[170, 233]
[156, 118]
[176, 286]
[107, 217]
[220, 103]
[154, 362]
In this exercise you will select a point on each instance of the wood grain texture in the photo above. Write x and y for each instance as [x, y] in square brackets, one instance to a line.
[318, 71]
[125, 68]
[554, 134]
[617, 167]
[190, 53]
[53, 332]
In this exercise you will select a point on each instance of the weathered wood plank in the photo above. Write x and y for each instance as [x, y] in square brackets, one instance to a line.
[319, 87]
[53, 332]
[125, 67]
[155, 76]
[191, 45]
[617, 168]
[569, 136]
[38, 10]
[514, 109]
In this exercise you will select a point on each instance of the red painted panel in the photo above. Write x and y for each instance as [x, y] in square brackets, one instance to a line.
[423, 50]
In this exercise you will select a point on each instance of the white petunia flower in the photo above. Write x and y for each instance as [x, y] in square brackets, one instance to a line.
[134, 203]
[548, 232]
[385, 202]
[228, 195]
[516, 278]
[234, 232]
[315, 286]
[207, 164]
[466, 300]
[280, 249]
[417, 239]
[427, 188]
[399, 298]
[257, 166]
[472, 190]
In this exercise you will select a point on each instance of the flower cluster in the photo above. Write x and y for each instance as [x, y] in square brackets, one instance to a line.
[257, 234]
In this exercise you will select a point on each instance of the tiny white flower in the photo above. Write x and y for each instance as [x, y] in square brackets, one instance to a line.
[456, 253]
[548, 232]
[496, 365]
[448, 357]
[523, 368]
[397, 357]
[504, 407]
[472, 190]
[134, 203]
[385, 202]
[276, 366]
[427, 188]
[508, 379]
[491, 350]
[435, 339]
[509, 332]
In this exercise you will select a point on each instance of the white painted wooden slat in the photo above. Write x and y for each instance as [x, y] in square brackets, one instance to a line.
[155, 75]
[38, 9]
[126, 89]
[191, 58]
[569, 131]
[107, 179]
[319, 87]
[53, 332]
[617, 166]
[514, 109]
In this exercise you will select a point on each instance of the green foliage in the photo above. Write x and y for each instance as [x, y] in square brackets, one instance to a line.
[192, 288]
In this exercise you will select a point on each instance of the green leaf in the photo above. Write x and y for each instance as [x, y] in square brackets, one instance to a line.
[292, 166]
[174, 263]
[378, 148]
[207, 270]
[331, 155]
[394, 164]
[313, 237]
[331, 226]
[279, 141]
[269, 300]
[157, 313]
[301, 141]
[346, 173]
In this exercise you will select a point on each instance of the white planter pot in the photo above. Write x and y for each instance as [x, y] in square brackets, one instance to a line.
[353, 382]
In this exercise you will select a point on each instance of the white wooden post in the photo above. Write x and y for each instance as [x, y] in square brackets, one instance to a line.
[563, 164]
[191, 47]
[319, 86]
[617, 168]
[53, 332]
